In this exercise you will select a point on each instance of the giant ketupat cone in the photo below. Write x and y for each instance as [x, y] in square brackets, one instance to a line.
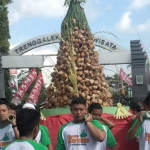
[77, 72]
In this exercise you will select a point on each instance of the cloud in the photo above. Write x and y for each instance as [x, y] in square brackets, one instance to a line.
[51, 8]
[125, 24]
[144, 27]
[139, 4]
[96, 8]
[12, 46]
[35, 8]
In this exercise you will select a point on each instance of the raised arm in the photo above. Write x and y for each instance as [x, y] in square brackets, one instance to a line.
[14, 126]
[132, 132]
[95, 129]
[107, 122]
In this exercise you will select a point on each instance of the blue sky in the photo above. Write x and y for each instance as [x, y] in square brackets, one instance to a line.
[124, 18]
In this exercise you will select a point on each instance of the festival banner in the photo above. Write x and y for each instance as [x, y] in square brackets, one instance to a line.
[24, 86]
[124, 77]
[34, 94]
[13, 83]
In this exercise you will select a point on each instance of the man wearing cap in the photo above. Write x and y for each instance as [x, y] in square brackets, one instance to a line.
[43, 136]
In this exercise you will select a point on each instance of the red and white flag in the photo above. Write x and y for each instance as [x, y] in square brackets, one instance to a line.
[123, 76]
[34, 95]
[24, 86]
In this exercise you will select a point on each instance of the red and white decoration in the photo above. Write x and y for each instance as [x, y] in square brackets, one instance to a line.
[24, 86]
[33, 97]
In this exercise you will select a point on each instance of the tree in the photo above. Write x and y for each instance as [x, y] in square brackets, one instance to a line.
[4, 43]
[116, 88]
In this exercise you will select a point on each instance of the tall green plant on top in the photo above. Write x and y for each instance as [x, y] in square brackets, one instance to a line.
[77, 72]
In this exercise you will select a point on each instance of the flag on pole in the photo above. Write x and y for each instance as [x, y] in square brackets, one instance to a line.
[124, 77]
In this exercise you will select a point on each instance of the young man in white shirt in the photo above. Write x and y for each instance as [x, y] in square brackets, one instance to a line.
[96, 110]
[82, 133]
[8, 130]
[141, 128]
[43, 136]
[28, 126]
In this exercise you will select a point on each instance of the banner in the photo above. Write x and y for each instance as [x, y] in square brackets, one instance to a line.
[123, 76]
[13, 83]
[34, 95]
[24, 86]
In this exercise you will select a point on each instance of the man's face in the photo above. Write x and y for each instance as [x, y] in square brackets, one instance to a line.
[4, 112]
[11, 111]
[96, 114]
[78, 111]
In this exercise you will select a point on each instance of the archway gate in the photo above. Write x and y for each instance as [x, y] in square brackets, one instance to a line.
[116, 55]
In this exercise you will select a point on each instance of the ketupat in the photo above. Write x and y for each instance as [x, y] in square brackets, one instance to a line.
[77, 71]
[121, 112]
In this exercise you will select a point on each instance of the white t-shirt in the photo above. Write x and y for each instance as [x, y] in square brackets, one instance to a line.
[77, 137]
[25, 145]
[6, 135]
[109, 140]
[38, 137]
[103, 145]
[144, 137]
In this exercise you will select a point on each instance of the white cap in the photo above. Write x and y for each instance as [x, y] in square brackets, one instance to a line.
[28, 105]
[148, 114]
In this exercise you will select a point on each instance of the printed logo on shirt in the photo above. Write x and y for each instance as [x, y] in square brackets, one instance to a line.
[147, 137]
[78, 139]
[5, 138]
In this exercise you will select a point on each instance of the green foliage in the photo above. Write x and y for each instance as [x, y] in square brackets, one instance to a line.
[116, 89]
[75, 17]
[4, 43]
[8, 92]
[5, 2]
[67, 2]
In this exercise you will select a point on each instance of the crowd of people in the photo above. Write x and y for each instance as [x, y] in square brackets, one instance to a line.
[24, 131]
[87, 131]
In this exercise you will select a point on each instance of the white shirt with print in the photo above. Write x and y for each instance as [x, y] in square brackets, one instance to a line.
[77, 137]
[6, 135]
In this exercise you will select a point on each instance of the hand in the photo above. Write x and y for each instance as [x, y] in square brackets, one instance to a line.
[139, 117]
[101, 119]
[89, 118]
[13, 122]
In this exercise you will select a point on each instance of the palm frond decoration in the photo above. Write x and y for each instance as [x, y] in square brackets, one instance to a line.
[67, 2]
